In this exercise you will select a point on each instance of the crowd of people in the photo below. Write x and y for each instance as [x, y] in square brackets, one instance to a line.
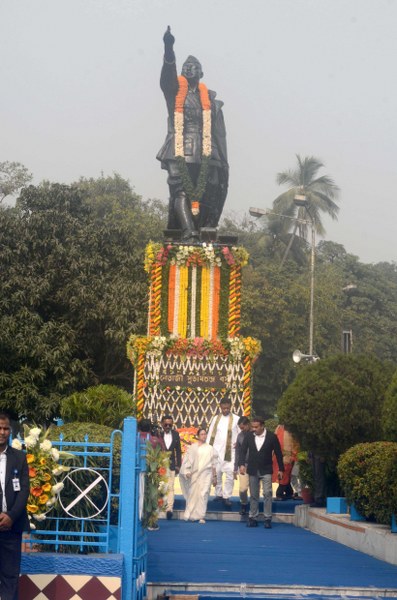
[232, 448]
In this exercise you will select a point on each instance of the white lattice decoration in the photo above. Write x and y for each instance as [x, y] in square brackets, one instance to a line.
[194, 405]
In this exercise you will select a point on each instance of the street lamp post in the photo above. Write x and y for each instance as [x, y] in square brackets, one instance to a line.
[300, 200]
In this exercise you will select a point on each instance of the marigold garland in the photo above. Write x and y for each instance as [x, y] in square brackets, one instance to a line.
[237, 348]
[247, 385]
[140, 385]
[203, 255]
[196, 193]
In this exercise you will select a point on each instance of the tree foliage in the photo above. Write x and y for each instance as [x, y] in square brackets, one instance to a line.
[13, 176]
[389, 411]
[336, 403]
[102, 404]
[368, 474]
[74, 289]
[321, 193]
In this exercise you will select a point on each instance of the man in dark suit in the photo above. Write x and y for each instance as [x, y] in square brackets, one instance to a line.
[172, 444]
[14, 493]
[260, 445]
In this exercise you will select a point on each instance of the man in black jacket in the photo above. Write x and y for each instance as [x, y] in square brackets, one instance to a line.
[14, 493]
[260, 445]
[172, 444]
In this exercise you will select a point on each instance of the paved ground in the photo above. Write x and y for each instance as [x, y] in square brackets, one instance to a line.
[228, 552]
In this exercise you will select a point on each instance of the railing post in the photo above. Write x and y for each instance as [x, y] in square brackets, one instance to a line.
[127, 504]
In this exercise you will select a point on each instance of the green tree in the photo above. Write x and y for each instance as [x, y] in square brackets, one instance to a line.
[389, 411]
[74, 289]
[321, 194]
[102, 404]
[13, 176]
[336, 403]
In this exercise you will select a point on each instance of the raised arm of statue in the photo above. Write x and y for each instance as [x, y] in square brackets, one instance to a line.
[169, 42]
[169, 77]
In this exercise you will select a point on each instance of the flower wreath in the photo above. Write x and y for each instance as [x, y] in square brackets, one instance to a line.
[44, 469]
[194, 194]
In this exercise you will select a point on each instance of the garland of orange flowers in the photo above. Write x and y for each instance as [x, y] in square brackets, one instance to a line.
[183, 302]
[140, 385]
[194, 194]
[216, 300]
[205, 280]
[232, 301]
[238, 300]
[171, 297]
[155, 300]
[247, 387]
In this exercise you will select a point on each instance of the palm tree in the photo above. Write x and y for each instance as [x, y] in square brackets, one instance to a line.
[321, 194]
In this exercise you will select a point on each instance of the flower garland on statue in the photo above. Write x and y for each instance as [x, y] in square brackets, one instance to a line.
[44, 469]
[194, 194]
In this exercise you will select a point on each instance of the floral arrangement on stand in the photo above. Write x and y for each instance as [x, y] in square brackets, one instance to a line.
[194, 290]
[157, 463]
[236, 348]
[44, 469]
[203, 255]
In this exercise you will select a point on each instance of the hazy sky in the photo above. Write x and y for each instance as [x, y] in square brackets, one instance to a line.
[80, 95]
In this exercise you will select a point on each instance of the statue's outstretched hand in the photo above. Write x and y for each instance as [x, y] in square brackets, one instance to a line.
[168, 39]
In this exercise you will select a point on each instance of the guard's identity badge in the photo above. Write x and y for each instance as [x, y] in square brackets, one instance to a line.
[16, 484]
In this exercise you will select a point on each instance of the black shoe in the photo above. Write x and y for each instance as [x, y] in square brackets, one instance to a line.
[243, 509]
[169, 515]
[227, 502]
[218, 499]
[268, 524]
[252, 523]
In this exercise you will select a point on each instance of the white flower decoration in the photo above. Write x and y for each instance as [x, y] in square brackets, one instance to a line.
[57, 488]
[16, 444]
[55, 455]
[46, 445]
[40, 517]
[35, 432]
[30, 441]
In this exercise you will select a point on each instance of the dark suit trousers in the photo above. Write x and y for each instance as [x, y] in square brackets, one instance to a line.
[10, 563]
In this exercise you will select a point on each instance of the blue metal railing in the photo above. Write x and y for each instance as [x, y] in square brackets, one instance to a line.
[61, 532]
[125, 504]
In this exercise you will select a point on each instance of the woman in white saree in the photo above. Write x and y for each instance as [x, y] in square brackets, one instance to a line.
[197, 472]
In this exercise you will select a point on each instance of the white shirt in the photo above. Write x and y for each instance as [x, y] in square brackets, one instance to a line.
[221, 435]
[260, 440]
[3, 468]
[167, 439]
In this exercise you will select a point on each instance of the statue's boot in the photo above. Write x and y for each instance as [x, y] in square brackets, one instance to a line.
[185, 218]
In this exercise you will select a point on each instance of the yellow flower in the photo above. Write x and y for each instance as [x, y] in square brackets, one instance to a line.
[43, 461]
[30, 458]
[45, 477]
[46, 487]
[43, 499]
[32, 508]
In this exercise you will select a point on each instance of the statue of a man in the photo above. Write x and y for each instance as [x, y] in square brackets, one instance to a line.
[194, 152]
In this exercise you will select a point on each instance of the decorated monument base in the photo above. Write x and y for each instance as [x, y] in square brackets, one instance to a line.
[193, 354]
